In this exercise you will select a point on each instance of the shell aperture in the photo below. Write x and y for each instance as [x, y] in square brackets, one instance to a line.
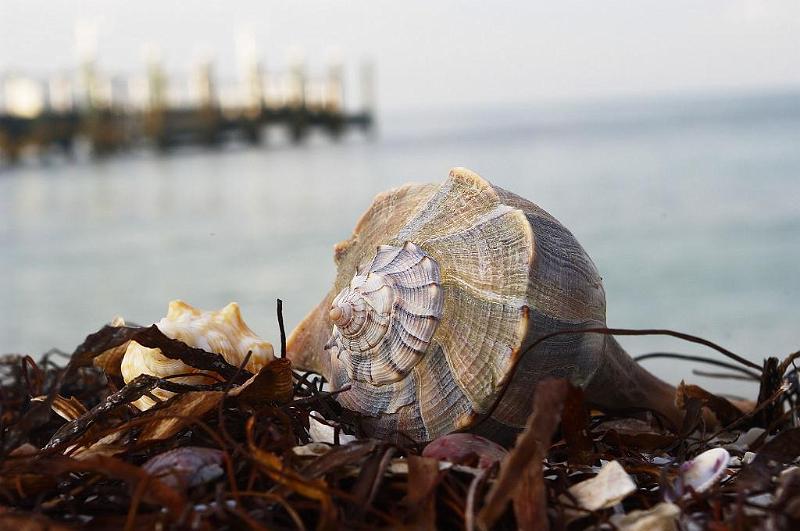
[384, 319]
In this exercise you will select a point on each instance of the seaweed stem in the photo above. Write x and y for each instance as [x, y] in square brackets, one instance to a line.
[282, 328]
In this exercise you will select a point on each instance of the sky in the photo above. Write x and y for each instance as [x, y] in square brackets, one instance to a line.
[438, 54]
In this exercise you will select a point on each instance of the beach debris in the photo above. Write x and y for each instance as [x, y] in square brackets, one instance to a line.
[702, 472]
[110, 360]
[322, 431]
[724, 410]
[186, 467]
[788, 493]
[738, 442]
[109, 445]
[66, 408]
[26, 449]
[235, 452]
[773, 457]
[521, 472]
[634, 432]
[610, 486]
[220, 332]
[465, 449]
[662, 517]
[423, 476]
[746, 440]
[272, 383]
[179, 412]
[312, 449]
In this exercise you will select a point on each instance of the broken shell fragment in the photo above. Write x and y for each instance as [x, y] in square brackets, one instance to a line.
[609, 487]
[465, 449]
[662, 517]
[186, 467]
[68, 409]
[312, 449]
[221, 332]
[702, 472]
[320, 432]
[746, 440]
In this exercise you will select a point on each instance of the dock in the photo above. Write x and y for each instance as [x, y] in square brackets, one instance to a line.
[113, 114]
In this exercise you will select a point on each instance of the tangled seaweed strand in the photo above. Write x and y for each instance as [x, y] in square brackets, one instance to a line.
[237, 453]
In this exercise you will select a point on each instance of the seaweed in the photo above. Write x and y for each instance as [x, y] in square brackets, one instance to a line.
[237, 452]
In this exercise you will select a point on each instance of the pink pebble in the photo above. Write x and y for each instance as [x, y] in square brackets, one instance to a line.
[465, 449]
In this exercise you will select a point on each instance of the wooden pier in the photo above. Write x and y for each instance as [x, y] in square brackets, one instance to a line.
[110, 123]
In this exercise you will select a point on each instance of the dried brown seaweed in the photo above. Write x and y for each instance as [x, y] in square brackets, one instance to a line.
[233, 454]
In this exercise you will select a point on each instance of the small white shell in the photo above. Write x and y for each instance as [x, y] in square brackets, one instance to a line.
[609, 487]
[221, 332]
[312, 449]
[702, 472]
[324, 433]
[662, 517]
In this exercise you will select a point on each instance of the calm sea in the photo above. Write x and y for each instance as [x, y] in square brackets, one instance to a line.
[690, 207]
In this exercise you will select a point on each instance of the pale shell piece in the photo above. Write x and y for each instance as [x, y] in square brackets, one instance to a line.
[661, 517]
[111, 444]
[68, 409]
[25, 449]
[746, 439]
[323, 433]
[312, 449]
[399, 466]
[609, 487]
[186, 467]
[221, 332]
[702, 472]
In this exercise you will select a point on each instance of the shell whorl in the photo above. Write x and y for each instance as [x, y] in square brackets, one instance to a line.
[384, 319]
[222, 332]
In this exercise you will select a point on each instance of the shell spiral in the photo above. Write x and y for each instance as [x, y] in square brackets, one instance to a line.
[384, 319]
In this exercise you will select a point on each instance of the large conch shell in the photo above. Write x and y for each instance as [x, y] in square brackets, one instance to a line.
[221, 332]
[439, 290]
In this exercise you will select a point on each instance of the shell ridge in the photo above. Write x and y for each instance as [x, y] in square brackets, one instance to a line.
[403, 333]
[442, 397]
[386, 271]
[385, 255]
[426, 212]
[485, 294]
[470, 190]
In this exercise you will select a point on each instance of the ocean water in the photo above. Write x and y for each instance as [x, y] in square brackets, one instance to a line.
[690, 208]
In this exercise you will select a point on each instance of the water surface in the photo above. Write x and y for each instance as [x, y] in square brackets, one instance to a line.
[689, 208]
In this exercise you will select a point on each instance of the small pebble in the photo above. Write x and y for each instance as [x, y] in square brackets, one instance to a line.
[186, 467]
[465, 449]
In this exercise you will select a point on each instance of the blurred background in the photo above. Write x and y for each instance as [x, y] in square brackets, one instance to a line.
[215, 151]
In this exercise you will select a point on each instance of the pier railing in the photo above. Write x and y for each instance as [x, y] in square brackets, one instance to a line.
[114, 114]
